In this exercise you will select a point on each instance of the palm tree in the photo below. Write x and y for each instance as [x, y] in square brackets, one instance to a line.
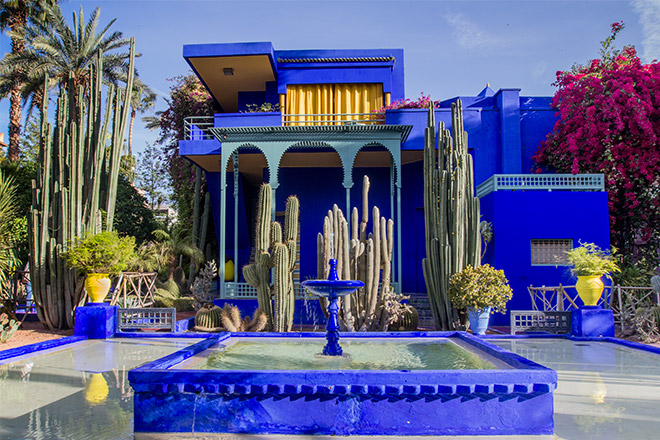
[7, 211]
[142, 99]
[172, 247]
[62, 52]
[14, 15]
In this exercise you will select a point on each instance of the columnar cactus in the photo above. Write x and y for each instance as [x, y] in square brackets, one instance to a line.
[277, 250]
[362, 257]
[451, 213]
[76, 186]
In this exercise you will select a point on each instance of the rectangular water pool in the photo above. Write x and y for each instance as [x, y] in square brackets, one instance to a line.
[510, 395]
[254, 353]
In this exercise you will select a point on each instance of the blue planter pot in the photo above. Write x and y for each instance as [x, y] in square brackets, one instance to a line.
[479, 320]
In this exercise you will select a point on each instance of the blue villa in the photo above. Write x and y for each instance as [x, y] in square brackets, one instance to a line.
[328, 135]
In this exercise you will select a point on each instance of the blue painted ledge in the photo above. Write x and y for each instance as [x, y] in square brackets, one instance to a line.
[39, 346]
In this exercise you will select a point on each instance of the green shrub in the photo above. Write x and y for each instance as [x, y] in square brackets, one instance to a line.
[104, 252]
[480, 287]
[590, 260]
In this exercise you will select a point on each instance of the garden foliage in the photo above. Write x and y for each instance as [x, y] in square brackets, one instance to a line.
[609, 122]
[590, 260]
[104, 252]
[480, 287]
[188, 97]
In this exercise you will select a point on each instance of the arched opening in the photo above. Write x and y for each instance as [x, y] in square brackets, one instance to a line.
[377, 162]
[246, 168]
[313, 171]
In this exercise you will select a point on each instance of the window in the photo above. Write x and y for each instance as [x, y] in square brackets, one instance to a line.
[332, 104]
[547, 252]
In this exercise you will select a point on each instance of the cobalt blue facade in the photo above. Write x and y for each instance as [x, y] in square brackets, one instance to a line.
[518, 217]
[504, 130]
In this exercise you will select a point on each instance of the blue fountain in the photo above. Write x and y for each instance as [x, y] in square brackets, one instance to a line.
[333, 288]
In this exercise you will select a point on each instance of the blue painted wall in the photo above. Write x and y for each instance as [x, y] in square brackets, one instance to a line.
[520, 216]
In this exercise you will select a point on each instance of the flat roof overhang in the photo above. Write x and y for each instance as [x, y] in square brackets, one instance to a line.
[251, 64]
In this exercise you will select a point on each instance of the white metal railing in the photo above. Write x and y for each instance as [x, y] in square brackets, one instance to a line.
[245, 291]
[196, 128]
[333, 119]
[542, 182]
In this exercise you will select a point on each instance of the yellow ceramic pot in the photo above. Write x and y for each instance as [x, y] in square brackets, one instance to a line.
[590, 287]
[97, 286]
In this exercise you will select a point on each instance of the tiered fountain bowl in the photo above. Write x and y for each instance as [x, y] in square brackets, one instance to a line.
[333, 288]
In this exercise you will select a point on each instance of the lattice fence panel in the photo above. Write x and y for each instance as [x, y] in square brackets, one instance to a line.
[151, 319]
[540, 321]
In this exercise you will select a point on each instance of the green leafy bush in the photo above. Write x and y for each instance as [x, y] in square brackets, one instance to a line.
[590, 260]
[480, 287]
[104, 252]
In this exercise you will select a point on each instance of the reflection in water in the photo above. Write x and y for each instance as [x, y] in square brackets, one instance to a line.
[96, 389]
[605, 391]
[77, 393]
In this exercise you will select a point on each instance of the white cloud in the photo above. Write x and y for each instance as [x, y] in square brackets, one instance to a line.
[649, 17]
[468, 35]
[539, 70]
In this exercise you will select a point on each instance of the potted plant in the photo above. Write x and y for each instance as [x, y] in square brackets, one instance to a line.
[100, 256]
[590, 263]
[481, 290]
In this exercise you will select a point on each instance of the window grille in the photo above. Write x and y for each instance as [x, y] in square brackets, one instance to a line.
[550, 252]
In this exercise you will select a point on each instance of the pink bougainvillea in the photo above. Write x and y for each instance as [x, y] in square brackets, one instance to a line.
[422, 102]
[188, 97]
[609, 122]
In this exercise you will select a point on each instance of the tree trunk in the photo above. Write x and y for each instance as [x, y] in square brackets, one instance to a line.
[17, 21]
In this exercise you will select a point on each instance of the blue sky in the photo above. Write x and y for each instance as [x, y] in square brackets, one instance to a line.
[451, 47]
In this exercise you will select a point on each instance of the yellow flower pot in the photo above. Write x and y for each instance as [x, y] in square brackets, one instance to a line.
[590, 287]
[97, 286]
[96, 390]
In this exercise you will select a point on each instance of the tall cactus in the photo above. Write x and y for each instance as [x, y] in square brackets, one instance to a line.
[275, 249]
[451, 213]
[76, 186]
[362, 257]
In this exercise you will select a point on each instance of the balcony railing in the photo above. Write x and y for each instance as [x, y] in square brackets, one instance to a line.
[542, 182]
[196, 128]
[334, 119]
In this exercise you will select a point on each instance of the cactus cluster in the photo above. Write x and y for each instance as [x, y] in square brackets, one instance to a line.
[276, 250]
[208, 318]
[359, 257]
[212, 318]
[406, 321]
[451, 213]
[7, 327]
[230, 317]
[76, 186]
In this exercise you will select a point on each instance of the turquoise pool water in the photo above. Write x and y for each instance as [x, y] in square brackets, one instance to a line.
[382, 354]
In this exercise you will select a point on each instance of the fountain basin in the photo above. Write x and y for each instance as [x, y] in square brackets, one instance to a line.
[328, 288]
[514, 398]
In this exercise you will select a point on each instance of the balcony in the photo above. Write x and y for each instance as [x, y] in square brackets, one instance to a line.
[196, 128]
